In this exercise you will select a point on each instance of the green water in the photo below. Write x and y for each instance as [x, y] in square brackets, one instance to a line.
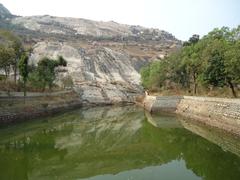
[116, 143]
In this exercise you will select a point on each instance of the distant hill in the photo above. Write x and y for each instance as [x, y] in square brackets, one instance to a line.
[77, 26]
[73, 26]
[4, 12]
[104, 58]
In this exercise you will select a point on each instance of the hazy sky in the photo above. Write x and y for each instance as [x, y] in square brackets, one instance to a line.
[182, 18]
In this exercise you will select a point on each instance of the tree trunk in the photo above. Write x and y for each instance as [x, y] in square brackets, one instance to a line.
[25, 92]
[195, 88]
[15, 73]
[6, 72]
[195, 84]
[232, 88]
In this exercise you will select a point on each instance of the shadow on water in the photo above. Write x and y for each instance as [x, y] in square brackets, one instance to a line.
[106, 143]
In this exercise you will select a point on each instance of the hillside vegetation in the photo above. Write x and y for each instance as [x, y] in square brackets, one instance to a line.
[15, 71]
[207, 66]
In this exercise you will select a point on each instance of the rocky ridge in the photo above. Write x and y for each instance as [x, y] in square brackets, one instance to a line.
[4, 12]
[104, 58]
[77, 26]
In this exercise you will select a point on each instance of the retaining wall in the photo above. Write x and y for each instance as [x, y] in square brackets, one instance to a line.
[218, 112]
[27, 113]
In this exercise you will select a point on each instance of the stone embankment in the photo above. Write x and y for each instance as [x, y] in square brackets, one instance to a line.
[7, 117]
[222, 113]
[16, 109]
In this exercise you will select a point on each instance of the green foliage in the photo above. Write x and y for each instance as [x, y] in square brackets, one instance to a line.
[6, 59]
[13, 57]
[232, 63]
[23, 67]
[212, 61]
[61, 61]
[145, 71]
[36, 81]
[10, 40]
[192, 40]
[44, 74]
[154, 75]
[46, 71]
[23, 70]
[214, 74]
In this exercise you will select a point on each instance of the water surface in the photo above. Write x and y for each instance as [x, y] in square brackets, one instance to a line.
[117, 143]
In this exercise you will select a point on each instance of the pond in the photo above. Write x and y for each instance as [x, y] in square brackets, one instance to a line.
[117, 143]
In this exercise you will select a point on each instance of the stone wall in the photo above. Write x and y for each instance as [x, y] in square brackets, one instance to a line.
[27, 113]
[218, 112]
[222, 113]
[163, 103]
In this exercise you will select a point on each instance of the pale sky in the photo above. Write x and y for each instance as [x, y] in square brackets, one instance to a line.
[182, 18]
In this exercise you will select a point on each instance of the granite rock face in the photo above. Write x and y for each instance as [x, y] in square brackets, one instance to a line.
[104, 58]
[100, 75]
[4, 12]
[77, 26]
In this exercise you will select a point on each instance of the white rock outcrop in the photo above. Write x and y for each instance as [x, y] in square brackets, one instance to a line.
[100, 75]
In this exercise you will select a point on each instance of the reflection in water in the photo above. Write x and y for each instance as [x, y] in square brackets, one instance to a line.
[171, 170]
[112, 143]
[227, 142]
[162, 120]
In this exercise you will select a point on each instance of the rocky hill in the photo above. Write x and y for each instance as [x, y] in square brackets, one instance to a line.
[104, 58]
[4, 12]
[73, 26]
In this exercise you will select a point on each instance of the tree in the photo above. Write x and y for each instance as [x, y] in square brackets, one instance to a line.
[222, 54]
[46, 70]
[232, 65]
[192, 62]
[175, 70]
[12, 41]
[145, 71]
[213, 60]
[154, 75]
[192, 40]
[18, 51]
[6, 59]
[214, 73]
[23, 70]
